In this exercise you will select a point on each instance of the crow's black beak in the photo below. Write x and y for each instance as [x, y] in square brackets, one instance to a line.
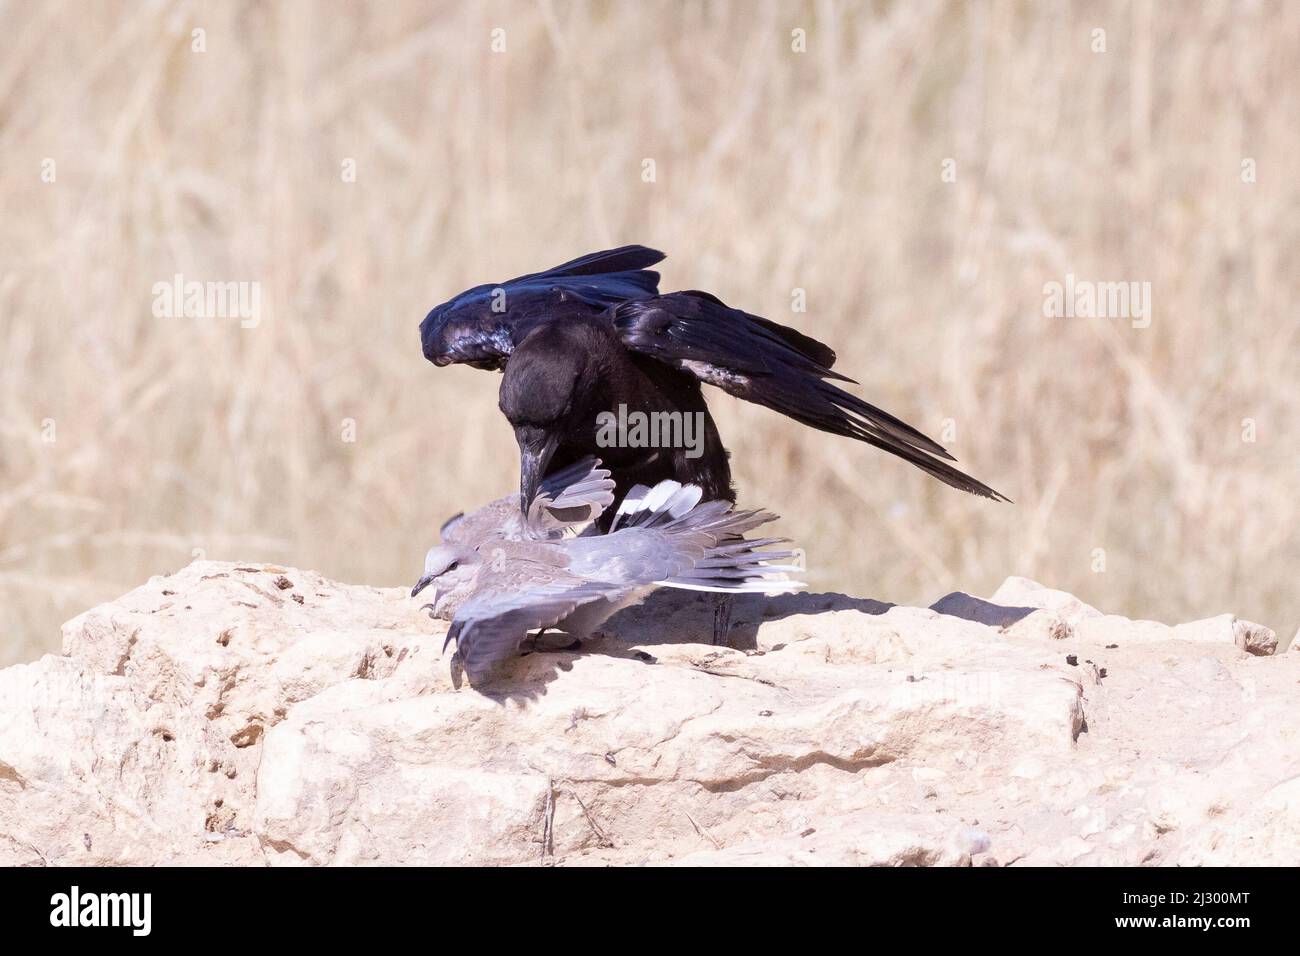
[421, 584]
[535, 450]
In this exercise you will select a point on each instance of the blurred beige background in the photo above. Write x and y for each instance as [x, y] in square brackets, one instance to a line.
[130, 443]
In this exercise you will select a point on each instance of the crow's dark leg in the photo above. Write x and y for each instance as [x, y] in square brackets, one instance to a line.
[722, 606]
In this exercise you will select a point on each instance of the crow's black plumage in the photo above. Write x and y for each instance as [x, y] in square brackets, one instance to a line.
[482, 325]
[595, 333]
[560, 379]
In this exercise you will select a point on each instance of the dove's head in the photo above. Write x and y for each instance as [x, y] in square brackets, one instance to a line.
[451, 569]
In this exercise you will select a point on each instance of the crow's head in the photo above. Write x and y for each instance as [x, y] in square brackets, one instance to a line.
[545, 395]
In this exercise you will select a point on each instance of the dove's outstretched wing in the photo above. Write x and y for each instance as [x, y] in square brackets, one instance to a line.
[570, 498]
[490, 625]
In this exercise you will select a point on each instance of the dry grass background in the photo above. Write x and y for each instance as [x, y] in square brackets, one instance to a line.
[775, 170]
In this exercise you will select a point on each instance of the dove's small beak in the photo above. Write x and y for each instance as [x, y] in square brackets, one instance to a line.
[421, 584]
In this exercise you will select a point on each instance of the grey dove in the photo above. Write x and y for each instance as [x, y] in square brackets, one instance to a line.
[514, 580]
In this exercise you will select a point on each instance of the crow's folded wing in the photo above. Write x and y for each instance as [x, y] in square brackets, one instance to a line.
[622, 259]
[482, 326]
[768, 364]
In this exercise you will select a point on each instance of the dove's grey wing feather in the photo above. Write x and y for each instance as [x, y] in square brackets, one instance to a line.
[636, 556]
[583, 482]
[701, 549]
[664, 532]
[490, 625]
[572, 496]
[497, 519]
[448, 531]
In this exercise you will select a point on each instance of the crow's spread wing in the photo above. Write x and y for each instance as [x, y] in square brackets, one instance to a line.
[768, 364]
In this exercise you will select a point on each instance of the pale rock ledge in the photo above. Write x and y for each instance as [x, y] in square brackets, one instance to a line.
[247, 714]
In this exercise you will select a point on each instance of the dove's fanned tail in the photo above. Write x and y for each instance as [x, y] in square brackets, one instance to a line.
[729, 562]
[749, 572]
[735, 563]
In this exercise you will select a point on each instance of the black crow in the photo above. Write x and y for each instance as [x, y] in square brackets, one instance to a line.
[594, 334]
[564, 375]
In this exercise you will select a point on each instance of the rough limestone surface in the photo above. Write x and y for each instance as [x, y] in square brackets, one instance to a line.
[248, 714]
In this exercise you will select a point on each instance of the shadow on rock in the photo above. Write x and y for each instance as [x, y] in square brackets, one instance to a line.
[686, 617]
[968, 608]
[670, 616]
